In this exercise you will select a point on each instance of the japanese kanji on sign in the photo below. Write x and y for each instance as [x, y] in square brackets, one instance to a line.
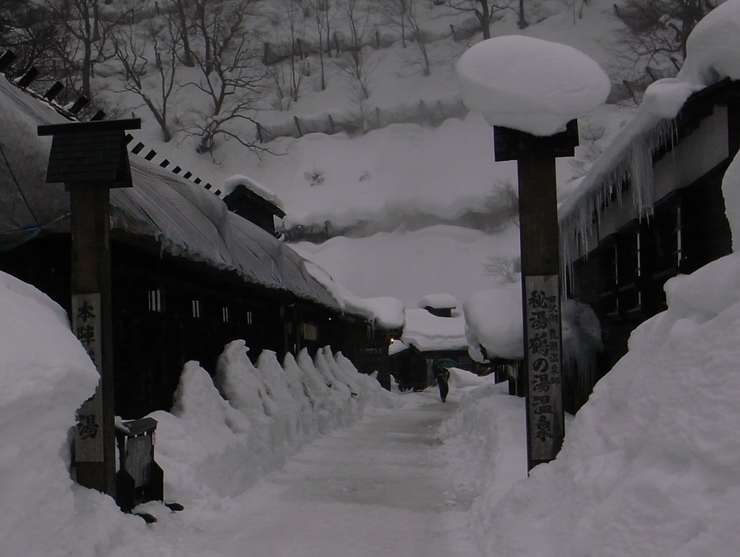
[543, 348]
[86, 325]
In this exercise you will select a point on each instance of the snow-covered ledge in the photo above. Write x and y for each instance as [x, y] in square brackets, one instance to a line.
[713, 53]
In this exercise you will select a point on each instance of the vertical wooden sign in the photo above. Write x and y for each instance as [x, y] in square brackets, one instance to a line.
[542, 342]
[540, 263]
[90, 158]
[87, 327]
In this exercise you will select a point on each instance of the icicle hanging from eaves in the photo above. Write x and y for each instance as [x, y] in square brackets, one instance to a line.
[627, 161]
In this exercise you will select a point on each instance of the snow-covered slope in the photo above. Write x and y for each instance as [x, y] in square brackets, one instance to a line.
[402, 179]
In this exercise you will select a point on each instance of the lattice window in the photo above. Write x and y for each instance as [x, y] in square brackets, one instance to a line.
[154, 300]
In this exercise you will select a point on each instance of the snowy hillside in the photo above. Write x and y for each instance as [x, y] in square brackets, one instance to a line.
[387, 191]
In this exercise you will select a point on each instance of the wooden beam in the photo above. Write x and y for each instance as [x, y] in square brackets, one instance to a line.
[89, 127]
[540, 263]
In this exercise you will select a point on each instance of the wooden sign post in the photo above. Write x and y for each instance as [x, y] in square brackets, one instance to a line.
[90, 158]
[540, 262]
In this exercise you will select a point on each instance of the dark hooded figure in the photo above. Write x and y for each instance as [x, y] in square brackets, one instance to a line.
[442, 375]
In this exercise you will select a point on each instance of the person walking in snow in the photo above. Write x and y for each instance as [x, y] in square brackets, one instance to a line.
[442, 375]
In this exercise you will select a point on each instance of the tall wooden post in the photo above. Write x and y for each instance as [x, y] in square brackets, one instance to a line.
[90, 158]
[540, 262]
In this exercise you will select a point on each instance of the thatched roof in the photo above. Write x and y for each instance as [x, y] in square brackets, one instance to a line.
[186, 219]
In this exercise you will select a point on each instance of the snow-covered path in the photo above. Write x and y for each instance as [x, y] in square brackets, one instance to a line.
[376, 489]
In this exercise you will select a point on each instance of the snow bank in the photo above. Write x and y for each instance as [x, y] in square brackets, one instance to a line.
[45, 375]
[219, 440]
[485, 443]
[398, 175]
[214, 444]
[462, 378]
[529, 84]
[651, 464]
[731, 194]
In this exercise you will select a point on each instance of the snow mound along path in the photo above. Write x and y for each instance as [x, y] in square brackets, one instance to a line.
[45, 374]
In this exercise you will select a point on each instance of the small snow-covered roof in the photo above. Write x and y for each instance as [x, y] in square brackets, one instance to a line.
[438, 301]
[253, 186]
[186, 219]
[428, 332]
[530, 85]
[713, 54]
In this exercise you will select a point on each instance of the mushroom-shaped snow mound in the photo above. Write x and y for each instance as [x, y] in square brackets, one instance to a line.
[713, 47]
[530, 85]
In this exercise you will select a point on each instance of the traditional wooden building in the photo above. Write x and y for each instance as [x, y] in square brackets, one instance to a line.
[650, 208]
[188, 274]
[435, 331]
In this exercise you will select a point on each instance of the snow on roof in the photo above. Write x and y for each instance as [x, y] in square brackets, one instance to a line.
[186, 219]
[494, 320]
[713, 53]
[397, 346]
[530, 85]
[254, 187]
[428, 332]
[387, 312]
[438, 301]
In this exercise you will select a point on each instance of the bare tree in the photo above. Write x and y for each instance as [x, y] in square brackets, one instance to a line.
[147, 60]
[287, 76]
[502, 205]
[183, 22]
[506, 268]
[393, 15]
[484, 10]
[231, 75]
[83, 38]
[324, 12]
[655, 31]
[28, 29]
[356, 62]
[402, 15]
[522, 19]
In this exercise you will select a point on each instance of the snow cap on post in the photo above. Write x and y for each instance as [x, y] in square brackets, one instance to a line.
[530, 85]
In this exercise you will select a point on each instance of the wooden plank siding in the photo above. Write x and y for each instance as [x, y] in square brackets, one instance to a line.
[623, 278]
[168, 310]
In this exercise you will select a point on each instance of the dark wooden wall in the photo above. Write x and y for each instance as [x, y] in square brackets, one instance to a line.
[623, 279]
[169, 310]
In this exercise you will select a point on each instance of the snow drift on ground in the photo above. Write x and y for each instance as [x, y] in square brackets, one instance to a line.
[45, 374]
[651, 463]
[214, 444]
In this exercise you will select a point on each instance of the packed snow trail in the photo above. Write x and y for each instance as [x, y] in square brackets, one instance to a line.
[376, 489]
